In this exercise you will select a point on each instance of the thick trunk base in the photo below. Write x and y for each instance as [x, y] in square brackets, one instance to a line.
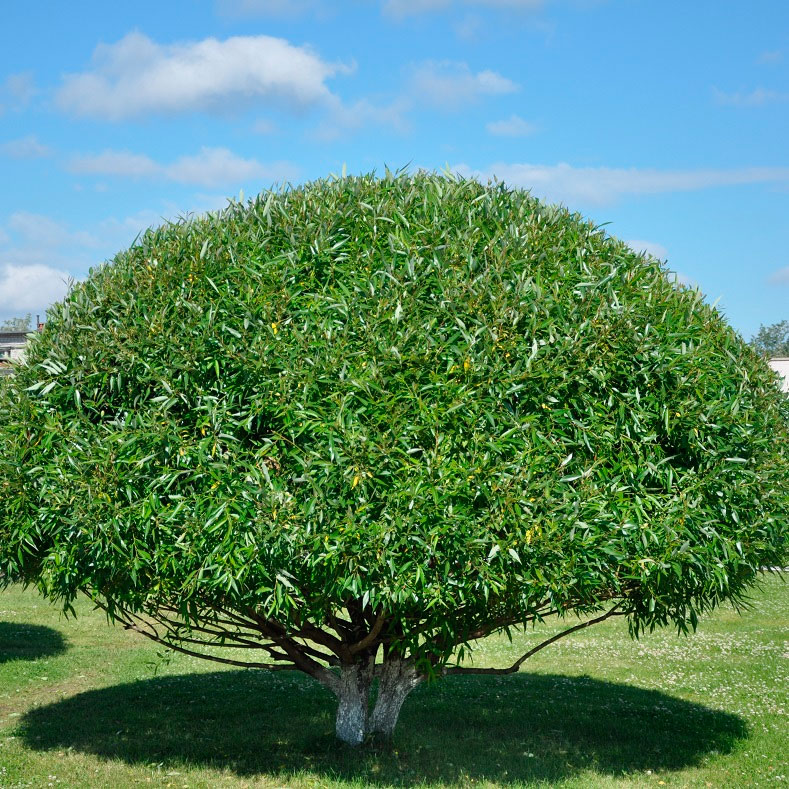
[353, 696]
[355, 723]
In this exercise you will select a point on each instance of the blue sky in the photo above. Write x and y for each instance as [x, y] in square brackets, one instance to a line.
[668, 120]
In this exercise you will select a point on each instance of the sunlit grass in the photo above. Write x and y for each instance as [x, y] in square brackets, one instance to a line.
[83, 704]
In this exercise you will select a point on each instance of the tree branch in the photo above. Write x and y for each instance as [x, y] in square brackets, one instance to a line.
[297, 652]
[293, 652]
[214, 658]
[246, 640]
[517, 664]
[370, 637]
[238, 621]
[139, 625]
[485, 630]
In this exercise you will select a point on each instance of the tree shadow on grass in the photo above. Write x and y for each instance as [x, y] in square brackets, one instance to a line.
[21, 641]
[514, 728]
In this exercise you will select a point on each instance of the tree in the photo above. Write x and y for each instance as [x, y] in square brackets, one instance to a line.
[16, 324]
[772, 340]
[352, 427]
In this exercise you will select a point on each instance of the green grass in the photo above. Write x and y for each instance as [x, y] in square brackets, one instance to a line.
[83, 704]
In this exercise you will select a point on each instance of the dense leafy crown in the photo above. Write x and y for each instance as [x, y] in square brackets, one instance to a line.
[442, 400]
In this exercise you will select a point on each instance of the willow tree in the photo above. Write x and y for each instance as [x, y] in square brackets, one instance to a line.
[352, 427]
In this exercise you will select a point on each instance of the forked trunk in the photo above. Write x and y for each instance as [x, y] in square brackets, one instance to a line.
[397, 678]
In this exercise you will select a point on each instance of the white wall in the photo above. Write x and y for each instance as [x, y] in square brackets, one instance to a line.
[12, 348]
[13, 352]
[781, 366]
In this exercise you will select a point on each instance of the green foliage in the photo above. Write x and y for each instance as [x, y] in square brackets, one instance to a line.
[16, 324]
[419, 398]
[772, 340]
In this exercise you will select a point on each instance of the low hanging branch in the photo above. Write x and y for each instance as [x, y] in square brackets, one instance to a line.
[146, 626]
[213, 658]
[521, 660]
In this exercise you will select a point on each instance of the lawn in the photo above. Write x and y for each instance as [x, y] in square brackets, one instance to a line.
[83, 704]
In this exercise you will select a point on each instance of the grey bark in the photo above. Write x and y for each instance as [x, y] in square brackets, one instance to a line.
[397, 678]
[353, 696]
[354, 723]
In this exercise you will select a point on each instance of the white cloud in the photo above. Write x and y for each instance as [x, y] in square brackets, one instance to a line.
[118, 234]
[287, 9]
[451, 85]
[264, 126]
[117, 163]
[25, 288]
[138, 77]
[468, 27]
[755, 98]
[780, 277]
[21, 88]
[773, 56]
[46, 232]
[210, 167]
[25, 148]
[403, 8]
[519, 5]
[345, 119]
[215, 166]
[514, 126]
[650, 247]
[600, 185]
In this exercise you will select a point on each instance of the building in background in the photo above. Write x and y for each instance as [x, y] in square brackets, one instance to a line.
[12, 349]
[12, 346]
[781, 365]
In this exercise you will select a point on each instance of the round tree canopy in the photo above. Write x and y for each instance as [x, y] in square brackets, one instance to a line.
[409, 410]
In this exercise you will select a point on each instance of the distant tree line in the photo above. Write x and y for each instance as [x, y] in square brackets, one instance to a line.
[772, 340]
[17, 324]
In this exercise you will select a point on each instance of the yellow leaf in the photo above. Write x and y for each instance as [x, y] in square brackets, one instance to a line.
[355, 481]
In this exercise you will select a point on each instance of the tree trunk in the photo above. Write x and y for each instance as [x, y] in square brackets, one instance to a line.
[353, 694]
[397, 678]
